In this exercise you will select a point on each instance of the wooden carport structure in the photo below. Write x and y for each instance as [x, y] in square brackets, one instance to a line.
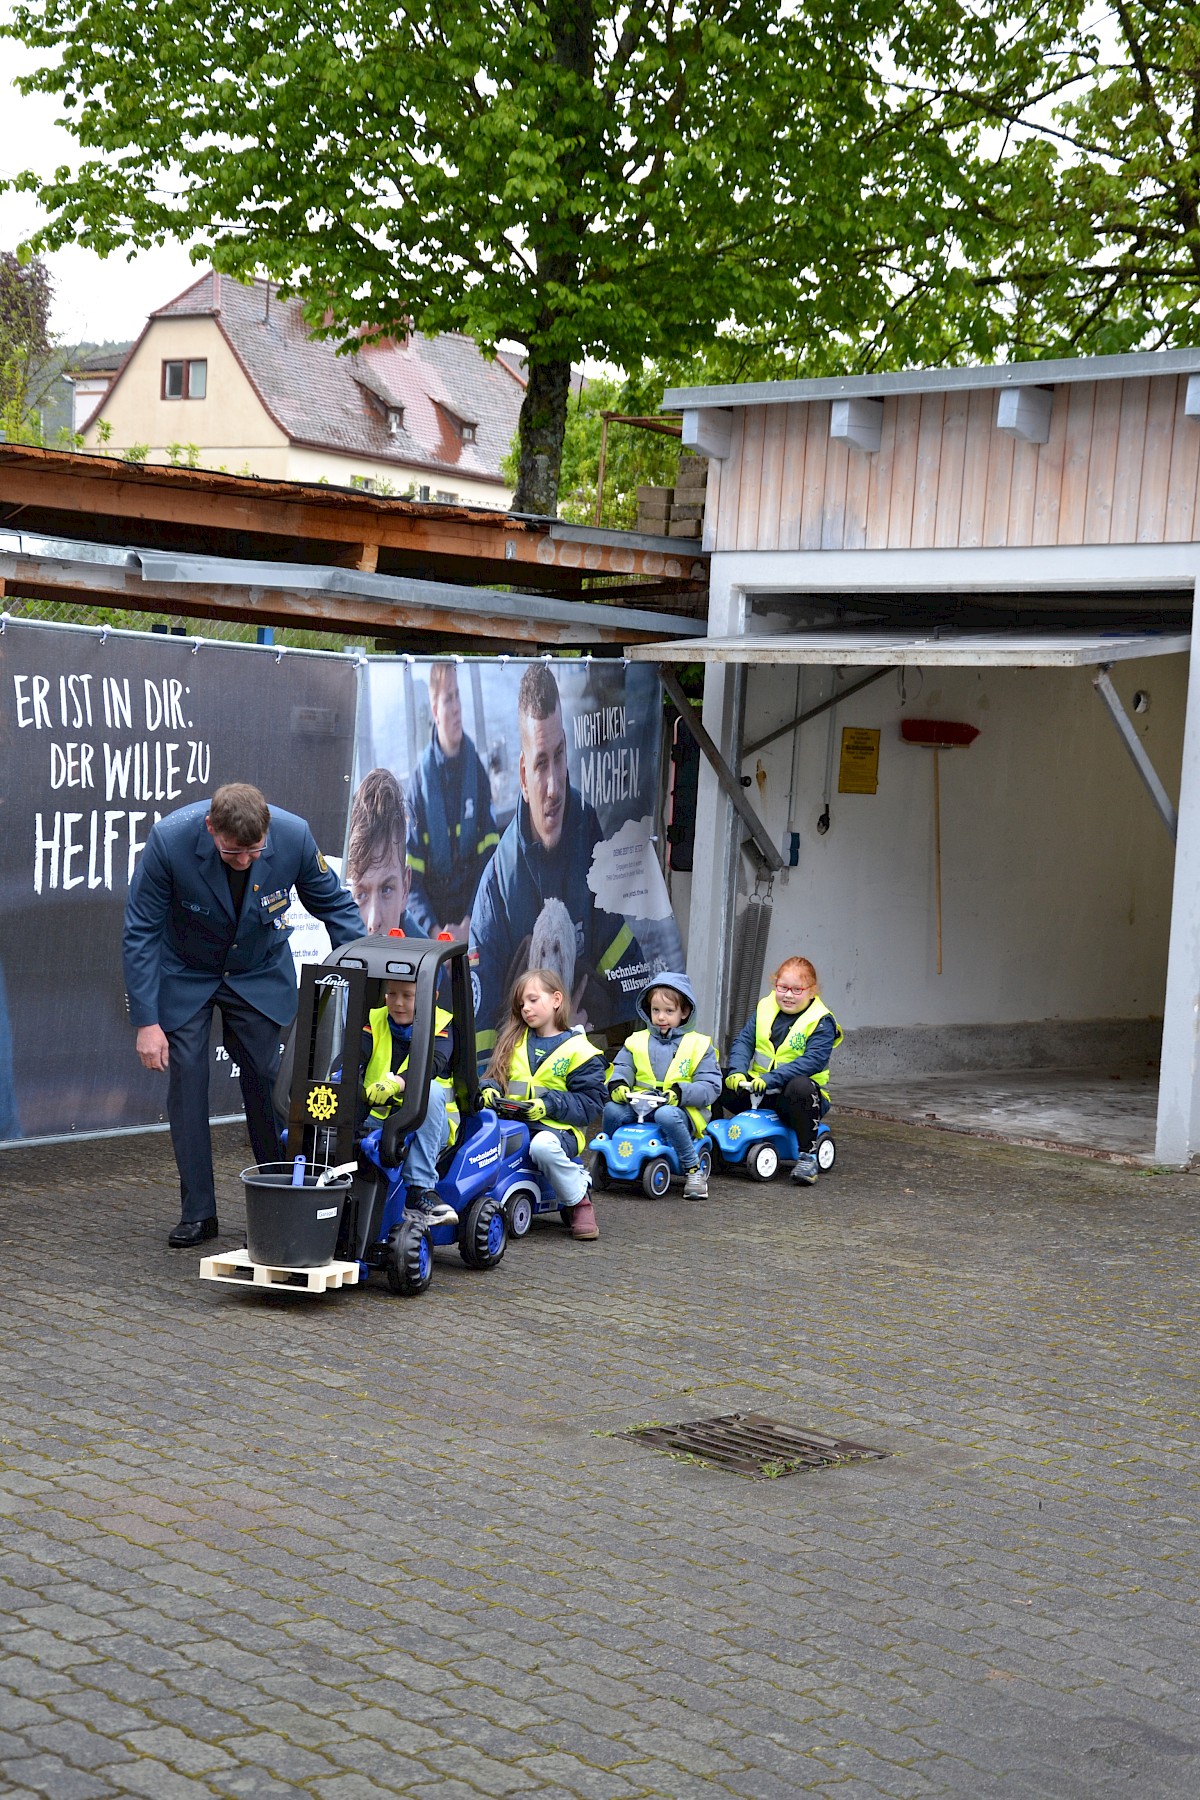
[201, 543]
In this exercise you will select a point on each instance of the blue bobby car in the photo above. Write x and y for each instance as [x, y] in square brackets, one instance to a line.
[759, 1141]
[489, 1161]
[637, 1153]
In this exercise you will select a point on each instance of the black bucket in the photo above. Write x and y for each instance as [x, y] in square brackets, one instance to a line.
[290, 1227]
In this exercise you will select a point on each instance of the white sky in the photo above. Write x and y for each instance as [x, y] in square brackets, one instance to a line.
[94, 299]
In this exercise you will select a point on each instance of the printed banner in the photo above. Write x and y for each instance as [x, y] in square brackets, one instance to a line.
[100, 737]
[514, 805]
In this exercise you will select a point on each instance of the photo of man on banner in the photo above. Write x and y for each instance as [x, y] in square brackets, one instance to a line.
[534, 907]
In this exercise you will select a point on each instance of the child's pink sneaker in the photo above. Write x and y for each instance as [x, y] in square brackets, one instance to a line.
[583, 1219]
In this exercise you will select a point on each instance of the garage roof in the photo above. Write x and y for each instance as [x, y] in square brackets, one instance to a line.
[927, 648]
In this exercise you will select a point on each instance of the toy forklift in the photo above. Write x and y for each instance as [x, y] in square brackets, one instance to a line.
[319, 1090]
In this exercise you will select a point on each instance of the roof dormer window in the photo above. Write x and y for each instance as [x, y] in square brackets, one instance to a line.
[466, 431]
[395, 420]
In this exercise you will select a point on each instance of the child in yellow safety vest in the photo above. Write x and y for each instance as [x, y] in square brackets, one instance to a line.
[668, 1059]
[387, 1038]
[549, 1067]
[782, 1053]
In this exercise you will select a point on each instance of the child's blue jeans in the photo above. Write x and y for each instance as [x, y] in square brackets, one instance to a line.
[673, 1124]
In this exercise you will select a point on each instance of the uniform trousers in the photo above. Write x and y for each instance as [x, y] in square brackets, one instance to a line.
[252, 1041]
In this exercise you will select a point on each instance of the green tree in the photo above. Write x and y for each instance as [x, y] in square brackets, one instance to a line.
[633, 455]
[1100, 211]
[29, 365]
[587, 178]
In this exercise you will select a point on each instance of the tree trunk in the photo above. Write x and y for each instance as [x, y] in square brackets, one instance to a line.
[540, 430]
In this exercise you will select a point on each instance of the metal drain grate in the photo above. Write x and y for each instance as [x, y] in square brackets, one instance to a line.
[752, 1444]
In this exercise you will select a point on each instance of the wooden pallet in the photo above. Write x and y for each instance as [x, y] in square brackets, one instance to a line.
[235, 1268]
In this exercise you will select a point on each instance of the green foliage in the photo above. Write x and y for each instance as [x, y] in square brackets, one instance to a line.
[136, 453]
[104, 430]
[634, 456]
[179, 455]
[587, 179]
[30, 362]
[1100, 212]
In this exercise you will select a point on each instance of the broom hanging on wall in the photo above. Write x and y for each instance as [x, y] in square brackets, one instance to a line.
[937, 735]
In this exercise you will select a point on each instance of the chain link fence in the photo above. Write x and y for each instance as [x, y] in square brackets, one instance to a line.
[288, 637]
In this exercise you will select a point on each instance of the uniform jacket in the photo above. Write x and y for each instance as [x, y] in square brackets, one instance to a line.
[447, 855]
[181, 938]
[521, 876]
[816, 1056]
[705, 1085]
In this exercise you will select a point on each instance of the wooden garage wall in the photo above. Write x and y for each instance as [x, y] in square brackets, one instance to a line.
[1121, 467]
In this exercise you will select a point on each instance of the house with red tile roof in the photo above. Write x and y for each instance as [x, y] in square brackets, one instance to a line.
[228, 376]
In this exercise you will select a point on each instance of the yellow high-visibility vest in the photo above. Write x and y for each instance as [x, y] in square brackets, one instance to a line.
[380, 1063]
[552, 1074]
[767, 1057]
[689, 1053]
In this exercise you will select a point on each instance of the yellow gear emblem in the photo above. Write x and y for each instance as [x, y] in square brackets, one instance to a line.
[322, 1103]
[625, 1149]
[735, 1132]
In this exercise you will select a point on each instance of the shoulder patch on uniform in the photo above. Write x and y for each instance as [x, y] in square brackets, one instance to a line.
[322, 864]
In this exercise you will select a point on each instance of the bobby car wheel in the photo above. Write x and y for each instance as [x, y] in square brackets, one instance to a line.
[763, 1161]
[518, 1210]
[409, 1258]
[707, 1160]
[656, 1177]
[483, 1233]
[826, 1153]
[600, 1172]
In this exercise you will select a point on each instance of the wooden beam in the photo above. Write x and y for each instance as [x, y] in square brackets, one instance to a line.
[477, 614]
[725, 775]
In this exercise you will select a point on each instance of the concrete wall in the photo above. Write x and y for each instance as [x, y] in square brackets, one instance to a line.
[1056, 870]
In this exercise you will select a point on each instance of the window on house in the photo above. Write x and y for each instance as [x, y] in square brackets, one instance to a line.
[395, 420]
[468, 433]
[444, 497]
[185, 380]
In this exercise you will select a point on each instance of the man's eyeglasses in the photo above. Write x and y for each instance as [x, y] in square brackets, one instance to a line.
[253, 851]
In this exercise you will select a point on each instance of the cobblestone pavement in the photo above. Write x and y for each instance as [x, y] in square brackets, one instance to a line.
[362, 1546]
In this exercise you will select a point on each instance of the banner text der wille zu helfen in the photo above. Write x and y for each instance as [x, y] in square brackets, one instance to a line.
[74, 847]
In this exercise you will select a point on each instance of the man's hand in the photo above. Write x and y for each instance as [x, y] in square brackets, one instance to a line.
[735, 1081]
[152, 1048]
[389, 1087]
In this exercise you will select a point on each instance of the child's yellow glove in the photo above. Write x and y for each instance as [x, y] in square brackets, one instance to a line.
[758, 1084]
[735, 1081]
[389, 1087]
[490, 1097]
[619, 1093]
[535, 1110]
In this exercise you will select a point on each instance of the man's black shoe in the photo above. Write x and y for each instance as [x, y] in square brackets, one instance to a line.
[190, 1232]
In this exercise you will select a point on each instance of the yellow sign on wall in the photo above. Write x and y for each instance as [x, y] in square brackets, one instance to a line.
[858, 769]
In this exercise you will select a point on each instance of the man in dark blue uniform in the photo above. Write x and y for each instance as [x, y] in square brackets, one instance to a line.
[534, 906]
[204, 928]
[451, 827]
